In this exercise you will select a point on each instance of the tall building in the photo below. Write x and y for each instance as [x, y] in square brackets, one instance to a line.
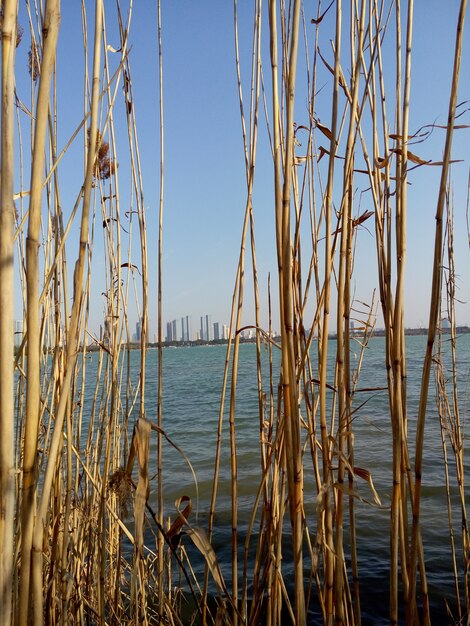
[201, 330]
[206, 333]
[174, 330]
[138, 331]
[225, 331]
[208, 328]
[168, 332]
[186, 328]
[217, 331]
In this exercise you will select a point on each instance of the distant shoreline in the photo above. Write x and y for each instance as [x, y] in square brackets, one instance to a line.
[380, 332]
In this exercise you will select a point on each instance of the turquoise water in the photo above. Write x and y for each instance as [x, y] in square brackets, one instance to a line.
[191, 399]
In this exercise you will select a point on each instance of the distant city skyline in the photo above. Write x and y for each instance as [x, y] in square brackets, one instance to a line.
[199, 256]
[181, 330]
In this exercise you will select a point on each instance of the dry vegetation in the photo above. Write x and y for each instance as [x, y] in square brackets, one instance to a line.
[80, 542]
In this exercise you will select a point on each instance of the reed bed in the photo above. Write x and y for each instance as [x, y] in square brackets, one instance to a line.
[81, 541]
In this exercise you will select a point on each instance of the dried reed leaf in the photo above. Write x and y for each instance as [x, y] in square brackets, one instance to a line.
[324, 129]
[318, 382]
[367, 476]
[200, 540]
[320, 19]
[418, 160]
[202, 543]
[131, 266]
[107, 220]
[382, 162]
[342, 80]
[141, 441]
[398, 137]
[362, 218]
[322, 151]
[355, 494]
[180, 520]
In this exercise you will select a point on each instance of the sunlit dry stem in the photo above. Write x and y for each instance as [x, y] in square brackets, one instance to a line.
[50, 37]
[7, 216]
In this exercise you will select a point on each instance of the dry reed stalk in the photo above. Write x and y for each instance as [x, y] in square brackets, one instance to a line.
[159, 287]
[456, 432]
[274, 593]
[7, 216]
[449, 417]
[323, 368]
[282, 188]
[343, 308]
[56, 442]
[28, 509]
[398, 511]
[250, 148]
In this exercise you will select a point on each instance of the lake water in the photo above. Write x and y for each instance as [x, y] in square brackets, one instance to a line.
[191, 398]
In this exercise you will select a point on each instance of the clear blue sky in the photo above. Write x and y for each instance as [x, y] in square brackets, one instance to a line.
[205, 186]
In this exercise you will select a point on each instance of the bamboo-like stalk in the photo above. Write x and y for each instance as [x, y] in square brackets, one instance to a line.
[50, 37]
[323, 369]
[7, 212]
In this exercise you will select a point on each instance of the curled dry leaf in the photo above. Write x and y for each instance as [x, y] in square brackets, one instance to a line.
[202, 543]
[367, 476]
[418, 160]
[324, 129]
[174, 533]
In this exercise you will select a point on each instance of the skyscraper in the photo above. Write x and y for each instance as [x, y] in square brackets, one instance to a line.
[208, 328]
[174, 330]
[186, 328]
[201, 332]
[168, 332]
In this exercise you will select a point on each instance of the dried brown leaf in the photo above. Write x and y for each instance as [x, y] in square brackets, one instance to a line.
[202, 543]
[141, 438]
[367, 476]
[319, 19]
[419, 161]
[324, 129]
